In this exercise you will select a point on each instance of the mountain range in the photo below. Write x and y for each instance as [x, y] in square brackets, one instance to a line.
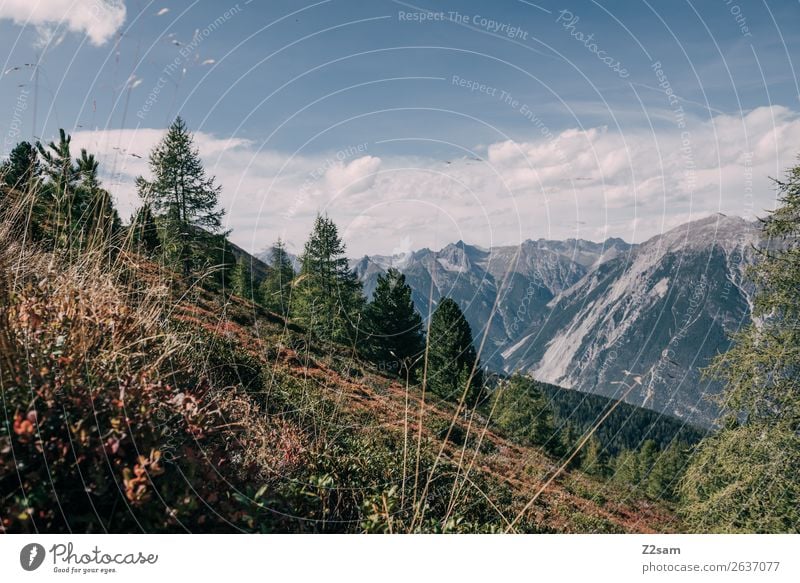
[637, 321]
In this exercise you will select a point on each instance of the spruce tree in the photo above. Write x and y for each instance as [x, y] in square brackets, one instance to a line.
[746, 477]
[22, 167]
[395, 328]
[20, 178]
[185, 198]
[328, 298]
[95, 218]
[521, 409]
[276, 289]
[144, 231]
[451, 355]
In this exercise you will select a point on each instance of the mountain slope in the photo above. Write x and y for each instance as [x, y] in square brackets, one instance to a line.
[611, 318]
[645, 327]
[526, 278]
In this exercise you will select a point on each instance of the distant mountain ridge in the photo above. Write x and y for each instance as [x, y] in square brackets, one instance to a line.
[603, 318]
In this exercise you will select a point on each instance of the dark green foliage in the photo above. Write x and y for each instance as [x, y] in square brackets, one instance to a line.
[186, 201]
[624, 428]
[94, 215]
[241, 279]
[327, 297]
[594, 459]
[22, 167]
[521, 410]
[395, 328]
[453, 369]
[747, 477]
[652, 472]
[144, 231]
[57, 196]
[276, 289]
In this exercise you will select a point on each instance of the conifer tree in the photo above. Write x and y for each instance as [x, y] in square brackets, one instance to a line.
[626, 469]
[451, 355]
[185, 198]
[94, 215]
[594, 460]
[662, 483]
[521, 409]
[395, 328]
[746, 477]
[20, 176]
[144, 231]
[275, 291]
[241, 279]
[21, 168]
[59, 189]
[328, 298]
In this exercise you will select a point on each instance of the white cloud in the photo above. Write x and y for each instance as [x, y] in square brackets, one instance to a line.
[353, 177]
[97, 19]
[591, 184]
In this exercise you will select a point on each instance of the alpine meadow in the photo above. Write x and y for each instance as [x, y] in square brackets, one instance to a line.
[465, 267]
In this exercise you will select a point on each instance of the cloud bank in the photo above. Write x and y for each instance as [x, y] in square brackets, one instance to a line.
[97, 19]
[590, 183]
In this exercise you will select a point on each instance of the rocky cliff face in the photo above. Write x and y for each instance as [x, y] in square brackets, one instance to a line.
[607, 318]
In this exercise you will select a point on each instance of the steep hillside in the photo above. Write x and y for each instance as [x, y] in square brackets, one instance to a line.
[147, 403]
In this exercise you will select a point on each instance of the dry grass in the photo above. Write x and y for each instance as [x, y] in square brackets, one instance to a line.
[133, 401]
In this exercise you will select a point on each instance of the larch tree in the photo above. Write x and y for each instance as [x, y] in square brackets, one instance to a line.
[327, 298]
[276, 289]
[185, 199]
[746, 477]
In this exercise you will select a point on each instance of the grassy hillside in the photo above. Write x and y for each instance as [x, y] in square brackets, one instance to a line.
[133, 400]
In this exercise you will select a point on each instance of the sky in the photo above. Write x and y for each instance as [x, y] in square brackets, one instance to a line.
[417, 124]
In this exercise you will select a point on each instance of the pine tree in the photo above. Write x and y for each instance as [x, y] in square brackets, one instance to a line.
[276, 289]
[328, 298]
[521, 409]
[59, 190]
[395, 328]
[185, 198]
[746, 477]
[451, 355]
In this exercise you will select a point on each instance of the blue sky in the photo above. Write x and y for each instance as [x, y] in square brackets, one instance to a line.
[419, 123]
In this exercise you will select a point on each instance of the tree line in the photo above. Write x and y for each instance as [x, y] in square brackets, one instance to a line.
[179, 223]
[743, 478]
